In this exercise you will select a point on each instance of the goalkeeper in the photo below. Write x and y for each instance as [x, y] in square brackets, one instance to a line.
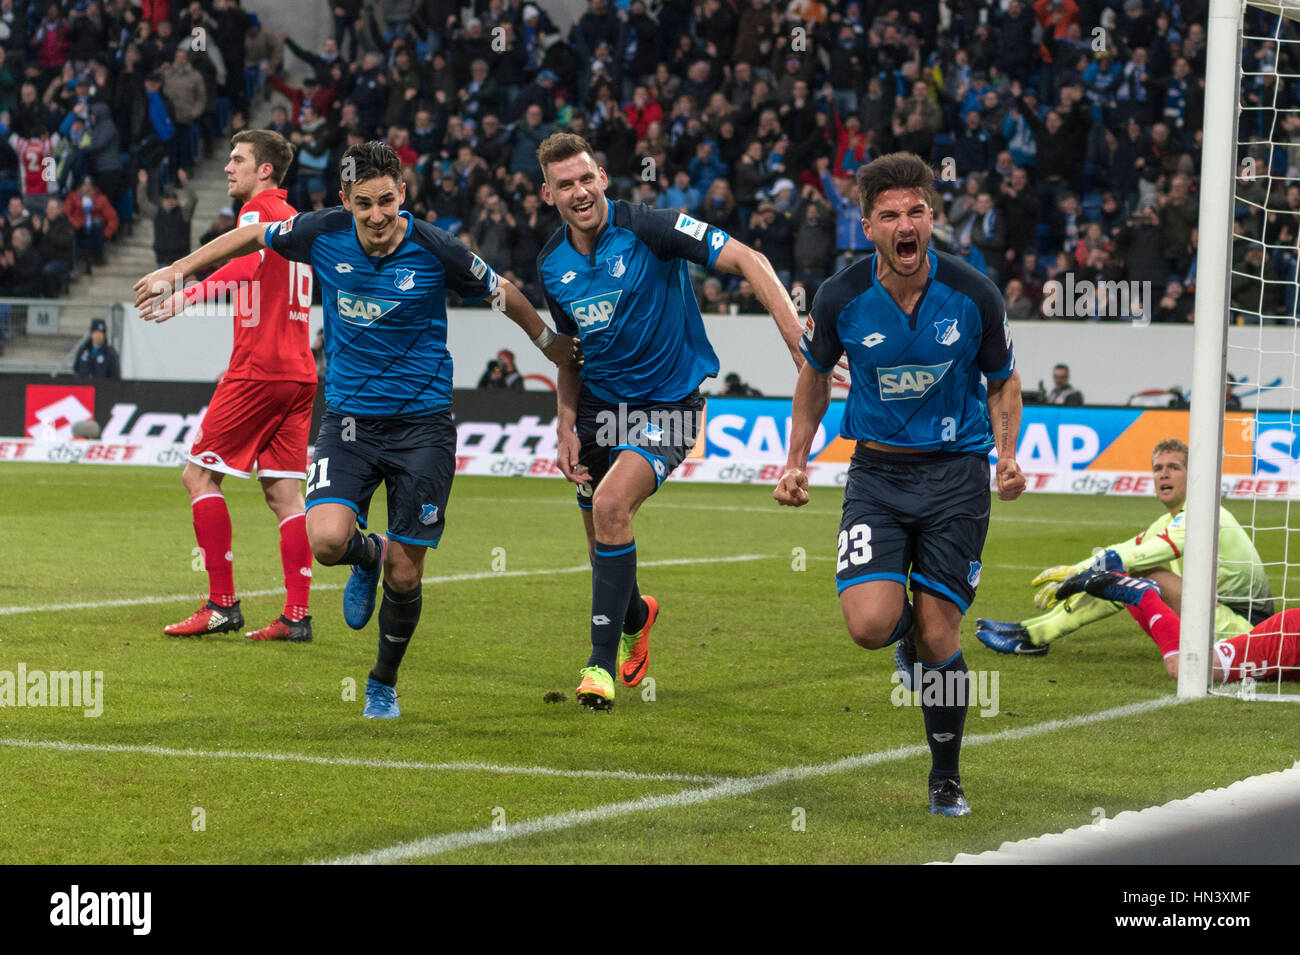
[1157, 553]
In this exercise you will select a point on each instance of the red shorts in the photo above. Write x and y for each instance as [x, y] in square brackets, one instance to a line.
[1270, 651]
[262, 424]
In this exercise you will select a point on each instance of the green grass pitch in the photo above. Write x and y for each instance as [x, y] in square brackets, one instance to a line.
[222, 750]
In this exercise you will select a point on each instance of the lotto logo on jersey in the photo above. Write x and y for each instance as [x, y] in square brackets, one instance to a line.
[909, 381]
[594, 313]
[361, 310]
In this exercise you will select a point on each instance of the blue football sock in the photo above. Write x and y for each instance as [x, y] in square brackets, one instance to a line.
[398, 615]
[362, 549]
[944, 692]
[904, 624]
[613, 577]
[637, 612]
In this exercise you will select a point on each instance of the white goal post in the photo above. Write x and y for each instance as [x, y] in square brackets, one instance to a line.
[1223, 150]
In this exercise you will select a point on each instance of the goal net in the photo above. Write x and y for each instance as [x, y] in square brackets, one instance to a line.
[1245, 438]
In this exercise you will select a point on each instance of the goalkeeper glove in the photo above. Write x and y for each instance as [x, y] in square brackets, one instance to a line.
[1050, 579]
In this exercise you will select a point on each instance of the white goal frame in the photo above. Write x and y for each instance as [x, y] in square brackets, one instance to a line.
[1224, 36]
[1210, 337]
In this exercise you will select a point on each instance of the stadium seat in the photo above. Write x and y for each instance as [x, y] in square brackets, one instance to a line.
[1091, 207]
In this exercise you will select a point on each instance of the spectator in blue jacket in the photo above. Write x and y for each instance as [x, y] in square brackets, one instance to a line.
[681, 194]
[706, 166]
[851, 242]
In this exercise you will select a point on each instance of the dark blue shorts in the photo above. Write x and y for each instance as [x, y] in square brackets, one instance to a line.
[919, 519]
[414, 457]
[663, 433]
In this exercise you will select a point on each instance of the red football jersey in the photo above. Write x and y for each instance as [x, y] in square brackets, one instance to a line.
[272, 299]
[32, 154]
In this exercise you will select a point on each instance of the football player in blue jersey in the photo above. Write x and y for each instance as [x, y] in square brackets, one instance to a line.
[617, 277]
[923, 332]
[383, 277]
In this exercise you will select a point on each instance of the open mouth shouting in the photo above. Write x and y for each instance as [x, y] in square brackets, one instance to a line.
[908, 253]
[584, 208]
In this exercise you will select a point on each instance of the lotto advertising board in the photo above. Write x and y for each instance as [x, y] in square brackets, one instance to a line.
[740, 440]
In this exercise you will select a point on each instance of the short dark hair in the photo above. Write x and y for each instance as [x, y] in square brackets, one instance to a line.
[561, 146]
[894, 171]
[1061, 365]
[369, 160]
[268, 146]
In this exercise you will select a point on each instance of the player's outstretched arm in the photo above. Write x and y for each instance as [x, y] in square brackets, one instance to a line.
[512, 303]
[739, 259]
[812, 396]
[153, 293]
[1004, 413]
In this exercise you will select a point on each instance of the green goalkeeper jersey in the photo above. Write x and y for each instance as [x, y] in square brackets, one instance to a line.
[1241, 572]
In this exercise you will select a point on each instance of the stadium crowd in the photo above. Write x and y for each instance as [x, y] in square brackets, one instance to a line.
[1066, 134]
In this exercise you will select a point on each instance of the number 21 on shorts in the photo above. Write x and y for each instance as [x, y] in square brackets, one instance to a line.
[317, 476]
[855, 547]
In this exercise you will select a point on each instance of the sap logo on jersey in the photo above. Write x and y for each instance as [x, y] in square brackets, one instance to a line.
[360, 310]
[909, 381]
[593, 314]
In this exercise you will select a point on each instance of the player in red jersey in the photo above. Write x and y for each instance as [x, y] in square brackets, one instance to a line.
[1270, 650]
[260, 414]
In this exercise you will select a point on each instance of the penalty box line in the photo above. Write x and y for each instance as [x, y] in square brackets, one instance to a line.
[446, 579]
[724, 789]
[399, 764]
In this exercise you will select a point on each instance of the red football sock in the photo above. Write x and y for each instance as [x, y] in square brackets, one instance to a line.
[295, 558]
[1160, 623]
[212, 531]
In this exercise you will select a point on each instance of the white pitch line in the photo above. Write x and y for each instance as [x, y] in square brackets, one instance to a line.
[447, 579]
[68, 747]
[725, 789]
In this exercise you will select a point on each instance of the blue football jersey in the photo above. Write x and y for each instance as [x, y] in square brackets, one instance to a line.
[631, 303]
[915, 379]
[385, 318]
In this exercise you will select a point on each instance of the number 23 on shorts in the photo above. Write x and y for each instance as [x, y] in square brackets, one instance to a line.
[855, 547]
